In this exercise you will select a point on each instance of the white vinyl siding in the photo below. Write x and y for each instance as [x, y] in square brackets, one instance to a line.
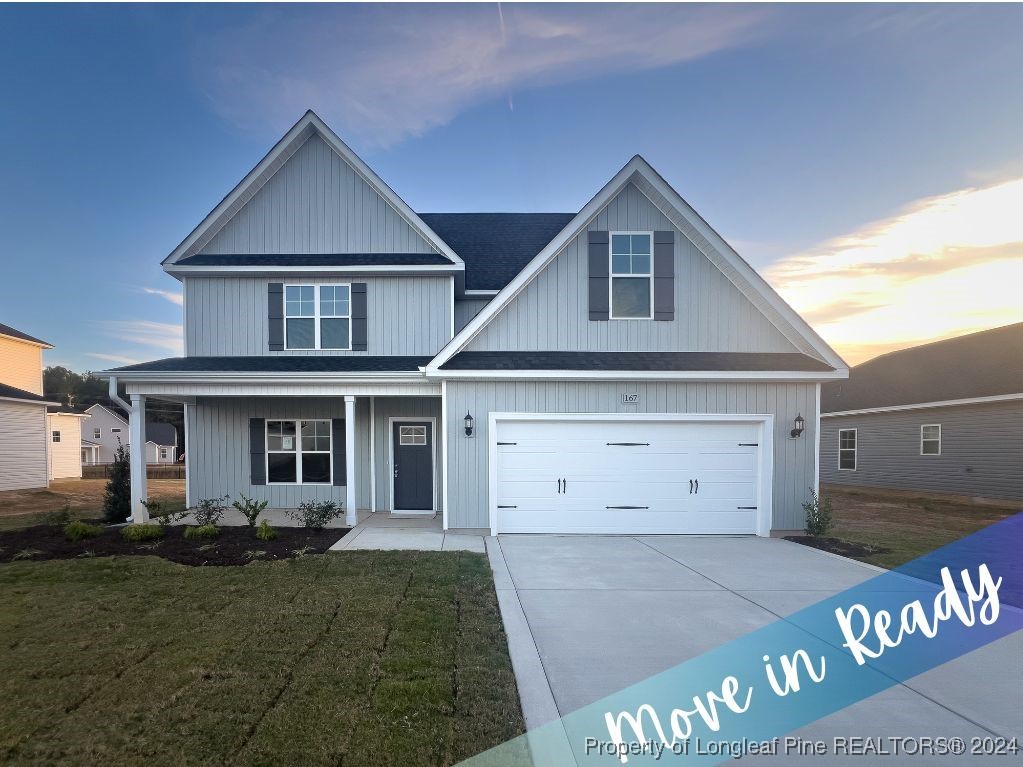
[24, 441]
[65, 453]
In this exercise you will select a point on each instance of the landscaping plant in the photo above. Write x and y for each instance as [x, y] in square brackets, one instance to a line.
[209, 511]
[58, 518]
[117, 499]
[202, 531]
[250, 509]
[78, 530]
[265, 532]
[316, 514]
[138, 533]
[818, 515]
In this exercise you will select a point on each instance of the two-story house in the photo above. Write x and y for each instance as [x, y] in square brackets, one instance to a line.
[24, 429]
[107, 428]
[618, 369]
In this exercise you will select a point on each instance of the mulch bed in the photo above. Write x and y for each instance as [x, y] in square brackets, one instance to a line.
[233, 546]
[838, 546]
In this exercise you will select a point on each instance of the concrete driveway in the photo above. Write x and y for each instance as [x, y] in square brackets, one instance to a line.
[589, 615]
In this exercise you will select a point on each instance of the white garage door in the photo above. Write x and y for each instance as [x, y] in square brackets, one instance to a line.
[620, 476]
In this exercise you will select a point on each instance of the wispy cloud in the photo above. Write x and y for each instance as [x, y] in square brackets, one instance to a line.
[384, 73]
[170, 295]
[114, 358]
[944, 266]
[163, 336]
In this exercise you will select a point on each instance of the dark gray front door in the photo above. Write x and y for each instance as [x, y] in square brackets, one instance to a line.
[413, 465]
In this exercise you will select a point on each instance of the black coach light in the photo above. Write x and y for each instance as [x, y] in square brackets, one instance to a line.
[468, 424]
[799, 424]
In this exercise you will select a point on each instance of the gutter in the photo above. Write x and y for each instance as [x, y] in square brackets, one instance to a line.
[112, 392]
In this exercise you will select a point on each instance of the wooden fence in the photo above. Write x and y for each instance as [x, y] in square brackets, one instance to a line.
[153, 471]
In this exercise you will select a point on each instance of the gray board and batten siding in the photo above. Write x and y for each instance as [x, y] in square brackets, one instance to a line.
[981, 450]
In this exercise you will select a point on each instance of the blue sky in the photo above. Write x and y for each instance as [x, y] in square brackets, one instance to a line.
[868, 159]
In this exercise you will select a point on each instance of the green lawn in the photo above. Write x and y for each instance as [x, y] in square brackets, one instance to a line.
[352, 659]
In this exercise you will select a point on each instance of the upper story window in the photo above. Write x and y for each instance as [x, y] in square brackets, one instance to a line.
[55, 436]
[317, 316]
[97, 433]
[930, 439]
[847, 449]
[632, 282]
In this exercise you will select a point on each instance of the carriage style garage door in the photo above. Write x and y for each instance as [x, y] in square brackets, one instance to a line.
[563, 475]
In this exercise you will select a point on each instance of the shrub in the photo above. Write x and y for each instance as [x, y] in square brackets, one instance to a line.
[316, 514]
[209, 511]
[138, 533]
[58, 518]
[264, 532]
[249, 508]
[77, 530]
[117, 498]
[202, 531]
[818, 514]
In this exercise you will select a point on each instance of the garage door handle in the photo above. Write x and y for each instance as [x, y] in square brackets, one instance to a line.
[745, 507]
[507, 507]
[507, 443]
[690, 487]
[626, 507]
[630, 444]
[697, 487]
[749, 444]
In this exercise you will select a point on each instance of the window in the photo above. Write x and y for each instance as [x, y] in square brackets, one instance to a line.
[847, 449]
[115, 431]
[317, 316]
[631, 272]
[55, 436]
[163, 454]
[97, 433]
[930, 439]
[298, 452]
[411, 435]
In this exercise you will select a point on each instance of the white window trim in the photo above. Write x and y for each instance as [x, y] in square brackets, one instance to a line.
[97, 433]
[298, 451]
[611, 277]
[855, 449]
[316, 316]
[55, 436]
[930, 439]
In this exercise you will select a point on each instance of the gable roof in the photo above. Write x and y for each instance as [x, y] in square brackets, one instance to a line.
[119, 414]
[984, 364]
[639, 172]
[161, 433]
[308, 125]
[496, 246]
[7, 330]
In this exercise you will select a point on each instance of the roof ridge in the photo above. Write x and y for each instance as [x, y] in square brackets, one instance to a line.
[939, 341]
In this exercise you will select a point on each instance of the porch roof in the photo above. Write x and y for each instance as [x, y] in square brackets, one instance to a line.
[279, 364]
[638, 361]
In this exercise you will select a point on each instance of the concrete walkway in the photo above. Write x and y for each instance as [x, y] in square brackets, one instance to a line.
[384, 531]
[589, 615]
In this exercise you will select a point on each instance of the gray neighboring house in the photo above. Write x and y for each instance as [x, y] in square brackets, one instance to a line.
[107, 427]
[945, 417]
[620, 369]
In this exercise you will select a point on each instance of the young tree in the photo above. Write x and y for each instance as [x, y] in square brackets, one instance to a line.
[117, 499]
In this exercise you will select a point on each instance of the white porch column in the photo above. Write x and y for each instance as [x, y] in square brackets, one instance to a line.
[351, 517]
[137, 441]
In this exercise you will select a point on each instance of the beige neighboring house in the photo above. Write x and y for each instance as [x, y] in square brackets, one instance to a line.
[24, 427]
[66, 446]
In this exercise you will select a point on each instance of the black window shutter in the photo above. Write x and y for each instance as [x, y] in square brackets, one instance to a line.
[664, 275]
[600, 308]
[257, 451]
[337, 439]
[275, 315]
[359, 316]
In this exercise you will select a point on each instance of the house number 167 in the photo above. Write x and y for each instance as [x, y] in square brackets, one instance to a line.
[630, 399]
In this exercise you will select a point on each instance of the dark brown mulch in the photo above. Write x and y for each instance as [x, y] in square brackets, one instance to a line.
[233, 546]
[838, 546]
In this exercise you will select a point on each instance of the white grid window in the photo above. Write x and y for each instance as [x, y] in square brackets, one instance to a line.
[298, 452]
[55, 436]
[318, 316]
[847, 449]
[631, 272]
[930, 439]
[97, 433]
[411, 435]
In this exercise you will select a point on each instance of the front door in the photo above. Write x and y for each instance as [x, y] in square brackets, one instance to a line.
[412, 469]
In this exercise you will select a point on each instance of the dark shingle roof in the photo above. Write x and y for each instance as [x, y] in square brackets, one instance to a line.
[7, 330]
[495, 246]
[65, 409]
[12, 392]
[161, 433]
[657, 361]
[983, 364]
[324, 259]
[282, 364]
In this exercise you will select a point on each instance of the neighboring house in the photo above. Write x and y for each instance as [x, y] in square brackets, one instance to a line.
[946, 417]
[64, 428]
[23, 424]
[619, 369]
[107, 427]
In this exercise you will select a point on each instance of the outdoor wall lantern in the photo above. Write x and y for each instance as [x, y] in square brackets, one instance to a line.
[468, 424]
[799, 424]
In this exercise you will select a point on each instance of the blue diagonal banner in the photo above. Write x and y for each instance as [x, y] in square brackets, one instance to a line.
[821, 659]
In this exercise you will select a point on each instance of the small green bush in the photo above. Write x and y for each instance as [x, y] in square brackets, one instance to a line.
[78, 530]
[202, 531]
[316, 514]
[249, 508]
[58, 518]
[818, 515]
[209, 510]
[265, 532]
[138, 533]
